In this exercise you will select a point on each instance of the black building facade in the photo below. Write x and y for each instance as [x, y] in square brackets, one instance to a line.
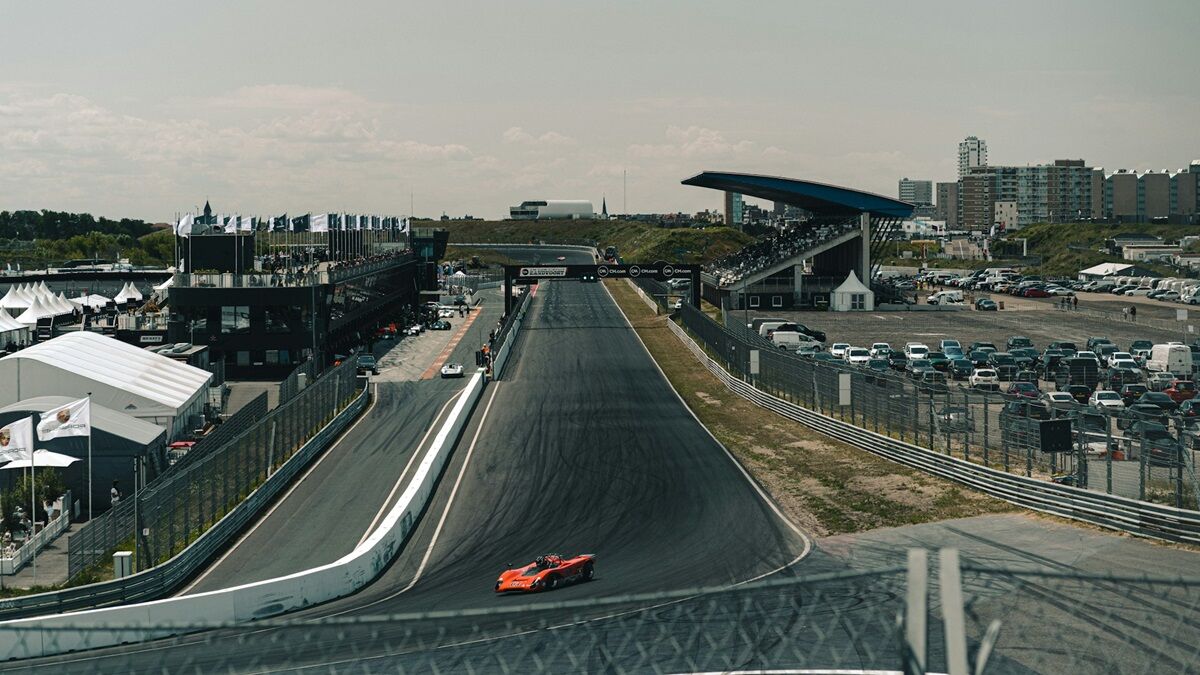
[261, 326]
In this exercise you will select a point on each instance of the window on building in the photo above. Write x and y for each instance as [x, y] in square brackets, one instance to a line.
[777, 301]
[243, 358]
[235, 319]
[279, 319]
[198, 320]
[754, 301]
[858, 301]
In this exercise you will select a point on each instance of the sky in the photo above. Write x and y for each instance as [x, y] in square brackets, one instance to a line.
[145, 109]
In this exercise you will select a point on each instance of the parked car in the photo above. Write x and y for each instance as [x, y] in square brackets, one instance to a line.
[939, 361]
[1160, 399]
[961, 369]
[897, 361]
[440, 324]
[943, 345]
[1080, 392]
[917, 366]
[978, 357]
[1059, 400]
[984, 376]
[1106, 399]
[880, 349]
[857, 356]
[932, 380]
[839, 349]
[1067, 348]
[915, 350]
[1130, 393]
[1160, 444]
[1181, 390]
[1159, 381]
[1023, 389]
[986, 305]
[983, 346]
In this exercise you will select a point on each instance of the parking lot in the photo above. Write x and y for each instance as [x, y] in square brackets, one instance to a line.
[1037, 320]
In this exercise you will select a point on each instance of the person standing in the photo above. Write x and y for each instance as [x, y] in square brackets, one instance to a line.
[1074, 302]
[114, 494]
[1133, 313]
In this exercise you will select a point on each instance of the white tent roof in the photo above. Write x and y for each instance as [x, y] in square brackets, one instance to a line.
[166, 284]
[134, 293]
[7, 323]
[13, 300]
[125, 295]
[108, 362]
[35, 311]
[852, 285]
[1107, 269]
[94, 301]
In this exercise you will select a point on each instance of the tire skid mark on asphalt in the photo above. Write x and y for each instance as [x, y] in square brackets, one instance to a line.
[445, 355]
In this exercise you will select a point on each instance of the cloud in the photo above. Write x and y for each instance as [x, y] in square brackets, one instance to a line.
[518, 136]
[691, 142]
[305, 148]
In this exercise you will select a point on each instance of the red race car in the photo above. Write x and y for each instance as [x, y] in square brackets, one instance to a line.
[547, 573]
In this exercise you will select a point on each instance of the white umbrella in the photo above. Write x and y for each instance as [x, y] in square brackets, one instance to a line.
[42, 458]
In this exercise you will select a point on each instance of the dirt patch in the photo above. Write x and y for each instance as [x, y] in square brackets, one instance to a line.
[825, 486]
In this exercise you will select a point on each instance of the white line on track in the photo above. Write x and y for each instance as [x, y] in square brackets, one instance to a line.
[281, 500]
[441, 521]
[383, 508]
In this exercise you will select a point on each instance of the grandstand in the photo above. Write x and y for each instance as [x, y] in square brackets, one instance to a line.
[798, 266]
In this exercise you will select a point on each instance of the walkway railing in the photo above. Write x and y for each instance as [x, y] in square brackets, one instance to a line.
[24, 554]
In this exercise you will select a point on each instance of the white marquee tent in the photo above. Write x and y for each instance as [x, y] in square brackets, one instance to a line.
[852, 295]
[122, 377]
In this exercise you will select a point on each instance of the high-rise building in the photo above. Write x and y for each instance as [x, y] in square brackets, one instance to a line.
[1129, 196]
[733, 210]
[972, 152]
[919, 192]
[947, 205]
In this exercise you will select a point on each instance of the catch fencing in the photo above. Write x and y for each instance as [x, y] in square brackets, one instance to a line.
[174, 510]
[956, 618]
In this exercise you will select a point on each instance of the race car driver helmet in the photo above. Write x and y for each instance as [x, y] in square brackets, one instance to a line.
[541, 562]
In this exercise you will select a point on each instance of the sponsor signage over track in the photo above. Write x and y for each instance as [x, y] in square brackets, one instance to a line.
[659, 270]
[542, 272]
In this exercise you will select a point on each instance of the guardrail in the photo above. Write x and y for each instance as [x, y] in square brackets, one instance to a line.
[1109, 511]
[508, 335]
[28, 549]
[167, 577]
[56, 634]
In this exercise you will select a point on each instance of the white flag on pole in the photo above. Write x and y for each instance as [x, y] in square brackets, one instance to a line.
[72, 419]
[319, 223]
[184, 228]
[246, 224]
[16, 440]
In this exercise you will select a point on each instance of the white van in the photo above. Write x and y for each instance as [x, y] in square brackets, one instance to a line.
[945, 298]
[1167, 358]
[767, 327]
[792, 340]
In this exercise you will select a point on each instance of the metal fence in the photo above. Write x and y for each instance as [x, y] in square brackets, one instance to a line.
[176, 509]
[948, 618]
[988, 428]
[249, 415]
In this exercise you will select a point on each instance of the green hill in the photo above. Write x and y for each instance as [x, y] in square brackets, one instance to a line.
[635, 241]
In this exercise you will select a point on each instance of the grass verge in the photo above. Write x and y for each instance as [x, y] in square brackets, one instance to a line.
[824, 485]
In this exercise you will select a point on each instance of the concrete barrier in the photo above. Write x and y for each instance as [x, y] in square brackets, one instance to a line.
[503, 351]
[61, 633]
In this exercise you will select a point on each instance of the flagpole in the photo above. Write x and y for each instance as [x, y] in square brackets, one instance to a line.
[32, 512]
[89, 399]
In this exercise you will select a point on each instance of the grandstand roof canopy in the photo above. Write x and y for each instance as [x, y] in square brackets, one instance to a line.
[818, 198]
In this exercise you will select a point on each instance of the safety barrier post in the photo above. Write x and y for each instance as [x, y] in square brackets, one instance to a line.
[1142, 469]
[1108, 453]
[916, 608]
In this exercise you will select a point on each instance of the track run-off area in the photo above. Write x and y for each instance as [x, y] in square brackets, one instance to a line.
[582, 447]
